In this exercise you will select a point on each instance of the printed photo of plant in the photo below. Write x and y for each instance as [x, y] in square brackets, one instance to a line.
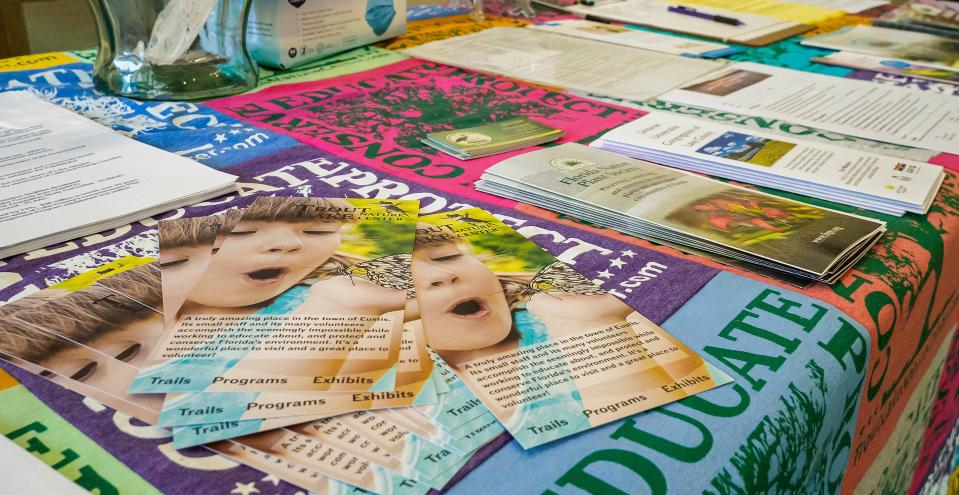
[746, 148]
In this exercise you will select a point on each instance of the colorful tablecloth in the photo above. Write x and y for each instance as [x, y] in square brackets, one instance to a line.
[839, 389]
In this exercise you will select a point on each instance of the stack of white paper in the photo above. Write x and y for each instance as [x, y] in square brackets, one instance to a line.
[568, 62]
[63, 176]
[686, 211]
[646, 40]
[857, 178]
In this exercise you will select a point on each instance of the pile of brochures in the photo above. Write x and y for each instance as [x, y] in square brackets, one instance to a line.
[686, 211]
[339, 343]
[493, 138]
[843, 175]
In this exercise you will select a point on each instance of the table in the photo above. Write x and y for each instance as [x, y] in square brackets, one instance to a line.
[850, 388]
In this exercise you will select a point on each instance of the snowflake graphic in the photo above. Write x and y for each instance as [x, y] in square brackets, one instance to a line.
[111, 112]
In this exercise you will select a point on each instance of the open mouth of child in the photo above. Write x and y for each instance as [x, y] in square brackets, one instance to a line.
[470, 308]
[267, 275]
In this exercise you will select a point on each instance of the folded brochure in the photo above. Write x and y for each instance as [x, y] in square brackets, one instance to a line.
[667, 205]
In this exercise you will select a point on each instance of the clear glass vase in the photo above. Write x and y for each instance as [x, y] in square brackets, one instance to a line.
[172, 49]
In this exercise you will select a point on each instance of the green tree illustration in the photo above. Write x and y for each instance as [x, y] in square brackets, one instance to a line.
[782, 455]
[408, 110]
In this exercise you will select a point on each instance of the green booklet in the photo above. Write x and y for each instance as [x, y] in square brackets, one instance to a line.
[488, 139]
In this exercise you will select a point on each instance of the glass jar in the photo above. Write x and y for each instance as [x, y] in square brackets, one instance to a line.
[172, 49]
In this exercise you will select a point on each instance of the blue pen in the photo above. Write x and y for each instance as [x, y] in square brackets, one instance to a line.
[679, 9]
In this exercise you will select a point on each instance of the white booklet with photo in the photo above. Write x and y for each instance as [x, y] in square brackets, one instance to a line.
[647, 40]
[63, 176]
[567, 62]
[893, 114]
[857, 178]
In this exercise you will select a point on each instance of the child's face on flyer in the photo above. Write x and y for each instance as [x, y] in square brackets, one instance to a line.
[83, 365]
[259, 260]
[133, 342]
[181, 268]
[461, 300]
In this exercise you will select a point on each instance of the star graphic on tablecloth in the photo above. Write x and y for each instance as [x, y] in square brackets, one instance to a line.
[234, 131]
[220, 138]
[617, 263]
[604, 274]
[272, 479]
[245, 488]
[629, 254]
[249, 129]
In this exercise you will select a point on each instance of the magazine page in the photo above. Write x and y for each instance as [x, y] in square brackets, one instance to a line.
[547, 351]
[880, 112]
[317, 289]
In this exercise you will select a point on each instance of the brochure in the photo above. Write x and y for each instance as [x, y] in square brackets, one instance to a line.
[926, 16]
[330, 461]
[567, 62]
[422, 458]
[186, 247]
[512, 323]
[89, 333]
[64, 176]
[922, 48]
[890, 66]
[412, 379]
[316, 298]
[298, 474]
[408, 456]
[647, 40]
[857, 178]
[921, 119]
[492, 138]
[663, 204]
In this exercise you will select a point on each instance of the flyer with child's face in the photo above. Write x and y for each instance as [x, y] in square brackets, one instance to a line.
[301, 294]
[90, 333]
[413, 386]
[547, 351]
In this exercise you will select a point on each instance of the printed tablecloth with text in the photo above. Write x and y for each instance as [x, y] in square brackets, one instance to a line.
[835, 385]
